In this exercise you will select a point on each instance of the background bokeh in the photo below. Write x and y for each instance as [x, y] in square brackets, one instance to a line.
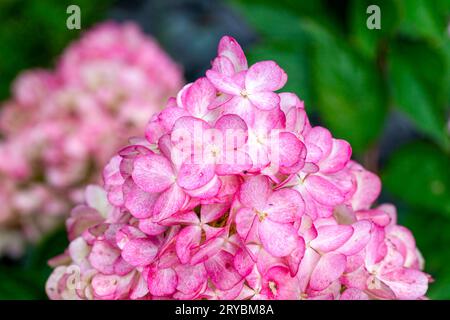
[386, 91]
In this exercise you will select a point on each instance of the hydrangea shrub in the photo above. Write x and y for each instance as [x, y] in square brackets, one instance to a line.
[233, 194]
[61, 126]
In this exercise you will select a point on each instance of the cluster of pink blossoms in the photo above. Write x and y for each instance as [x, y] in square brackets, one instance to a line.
[60, 127]
[232, 194]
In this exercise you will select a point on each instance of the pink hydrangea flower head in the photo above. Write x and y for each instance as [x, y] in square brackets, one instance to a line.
[233, 194]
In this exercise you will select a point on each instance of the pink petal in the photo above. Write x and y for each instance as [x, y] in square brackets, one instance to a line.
[170, 115]
[103, 256]
[221, 271]
[82, 218]
[125, 234]
[187, 238]
[323, 191]
[224, 66]
[264, 76]
[375, 249]
[232, 124]
[139, 252]
[245, 221]
[368, 187]
[407, 283]
[190, 278]
[329, 268]
[139, 202]
[207, 250]
[331, 237]
[148, 226]
[354, 294]
[223, 83]
[187, 138]
[243, 262]
[341, 152]
[377, 216]
[211, 212]
[285, 205]
[321, 138]
[295, 258]
[233, 162]
[153, 173]
[207, 191]
[199, 96]
[168, 203]
[110, 286]
[291, 150]
[255, 191]
[359, 238]
[265, 100]
[162, 282]
[228, 47]
[183, 218]
[277, 238]
[194, 176]
[307, 265]
[278, 284]
[242, 107]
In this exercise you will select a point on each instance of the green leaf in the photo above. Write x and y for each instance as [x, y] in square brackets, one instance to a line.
[350, 94]
[16, 283]
[424, 18]
[366, 40]
[273, 23]
[420, 86]
[419, 174]
[33, 33]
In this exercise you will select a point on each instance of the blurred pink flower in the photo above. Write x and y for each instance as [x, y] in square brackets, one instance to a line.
[60, 127]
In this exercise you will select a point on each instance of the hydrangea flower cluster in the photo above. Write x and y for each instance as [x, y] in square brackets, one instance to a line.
[61, 126]
[233, 194]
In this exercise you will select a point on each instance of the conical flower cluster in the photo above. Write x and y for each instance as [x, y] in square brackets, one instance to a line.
[232, 194]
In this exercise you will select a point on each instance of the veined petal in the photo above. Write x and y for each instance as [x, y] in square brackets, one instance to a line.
[162, 282]
[265, 100]
[193, 176]
[186, 239]
[284, 205]
[338, 158]
[221, 271]
[331, 237]
[139, 252]
[230, 48]
[323, 191]
[279, 239]
[255, 192]
[168, 203]
[153, 173]
[199, 96]
[265, 76]
[407, 283]
[329, 268]
[139, 202]
[223, 83]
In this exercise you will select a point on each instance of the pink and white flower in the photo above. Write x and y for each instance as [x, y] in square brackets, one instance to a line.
[290, 218]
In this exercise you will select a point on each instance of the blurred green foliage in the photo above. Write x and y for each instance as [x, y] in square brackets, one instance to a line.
[352, 78]
[33, 33]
